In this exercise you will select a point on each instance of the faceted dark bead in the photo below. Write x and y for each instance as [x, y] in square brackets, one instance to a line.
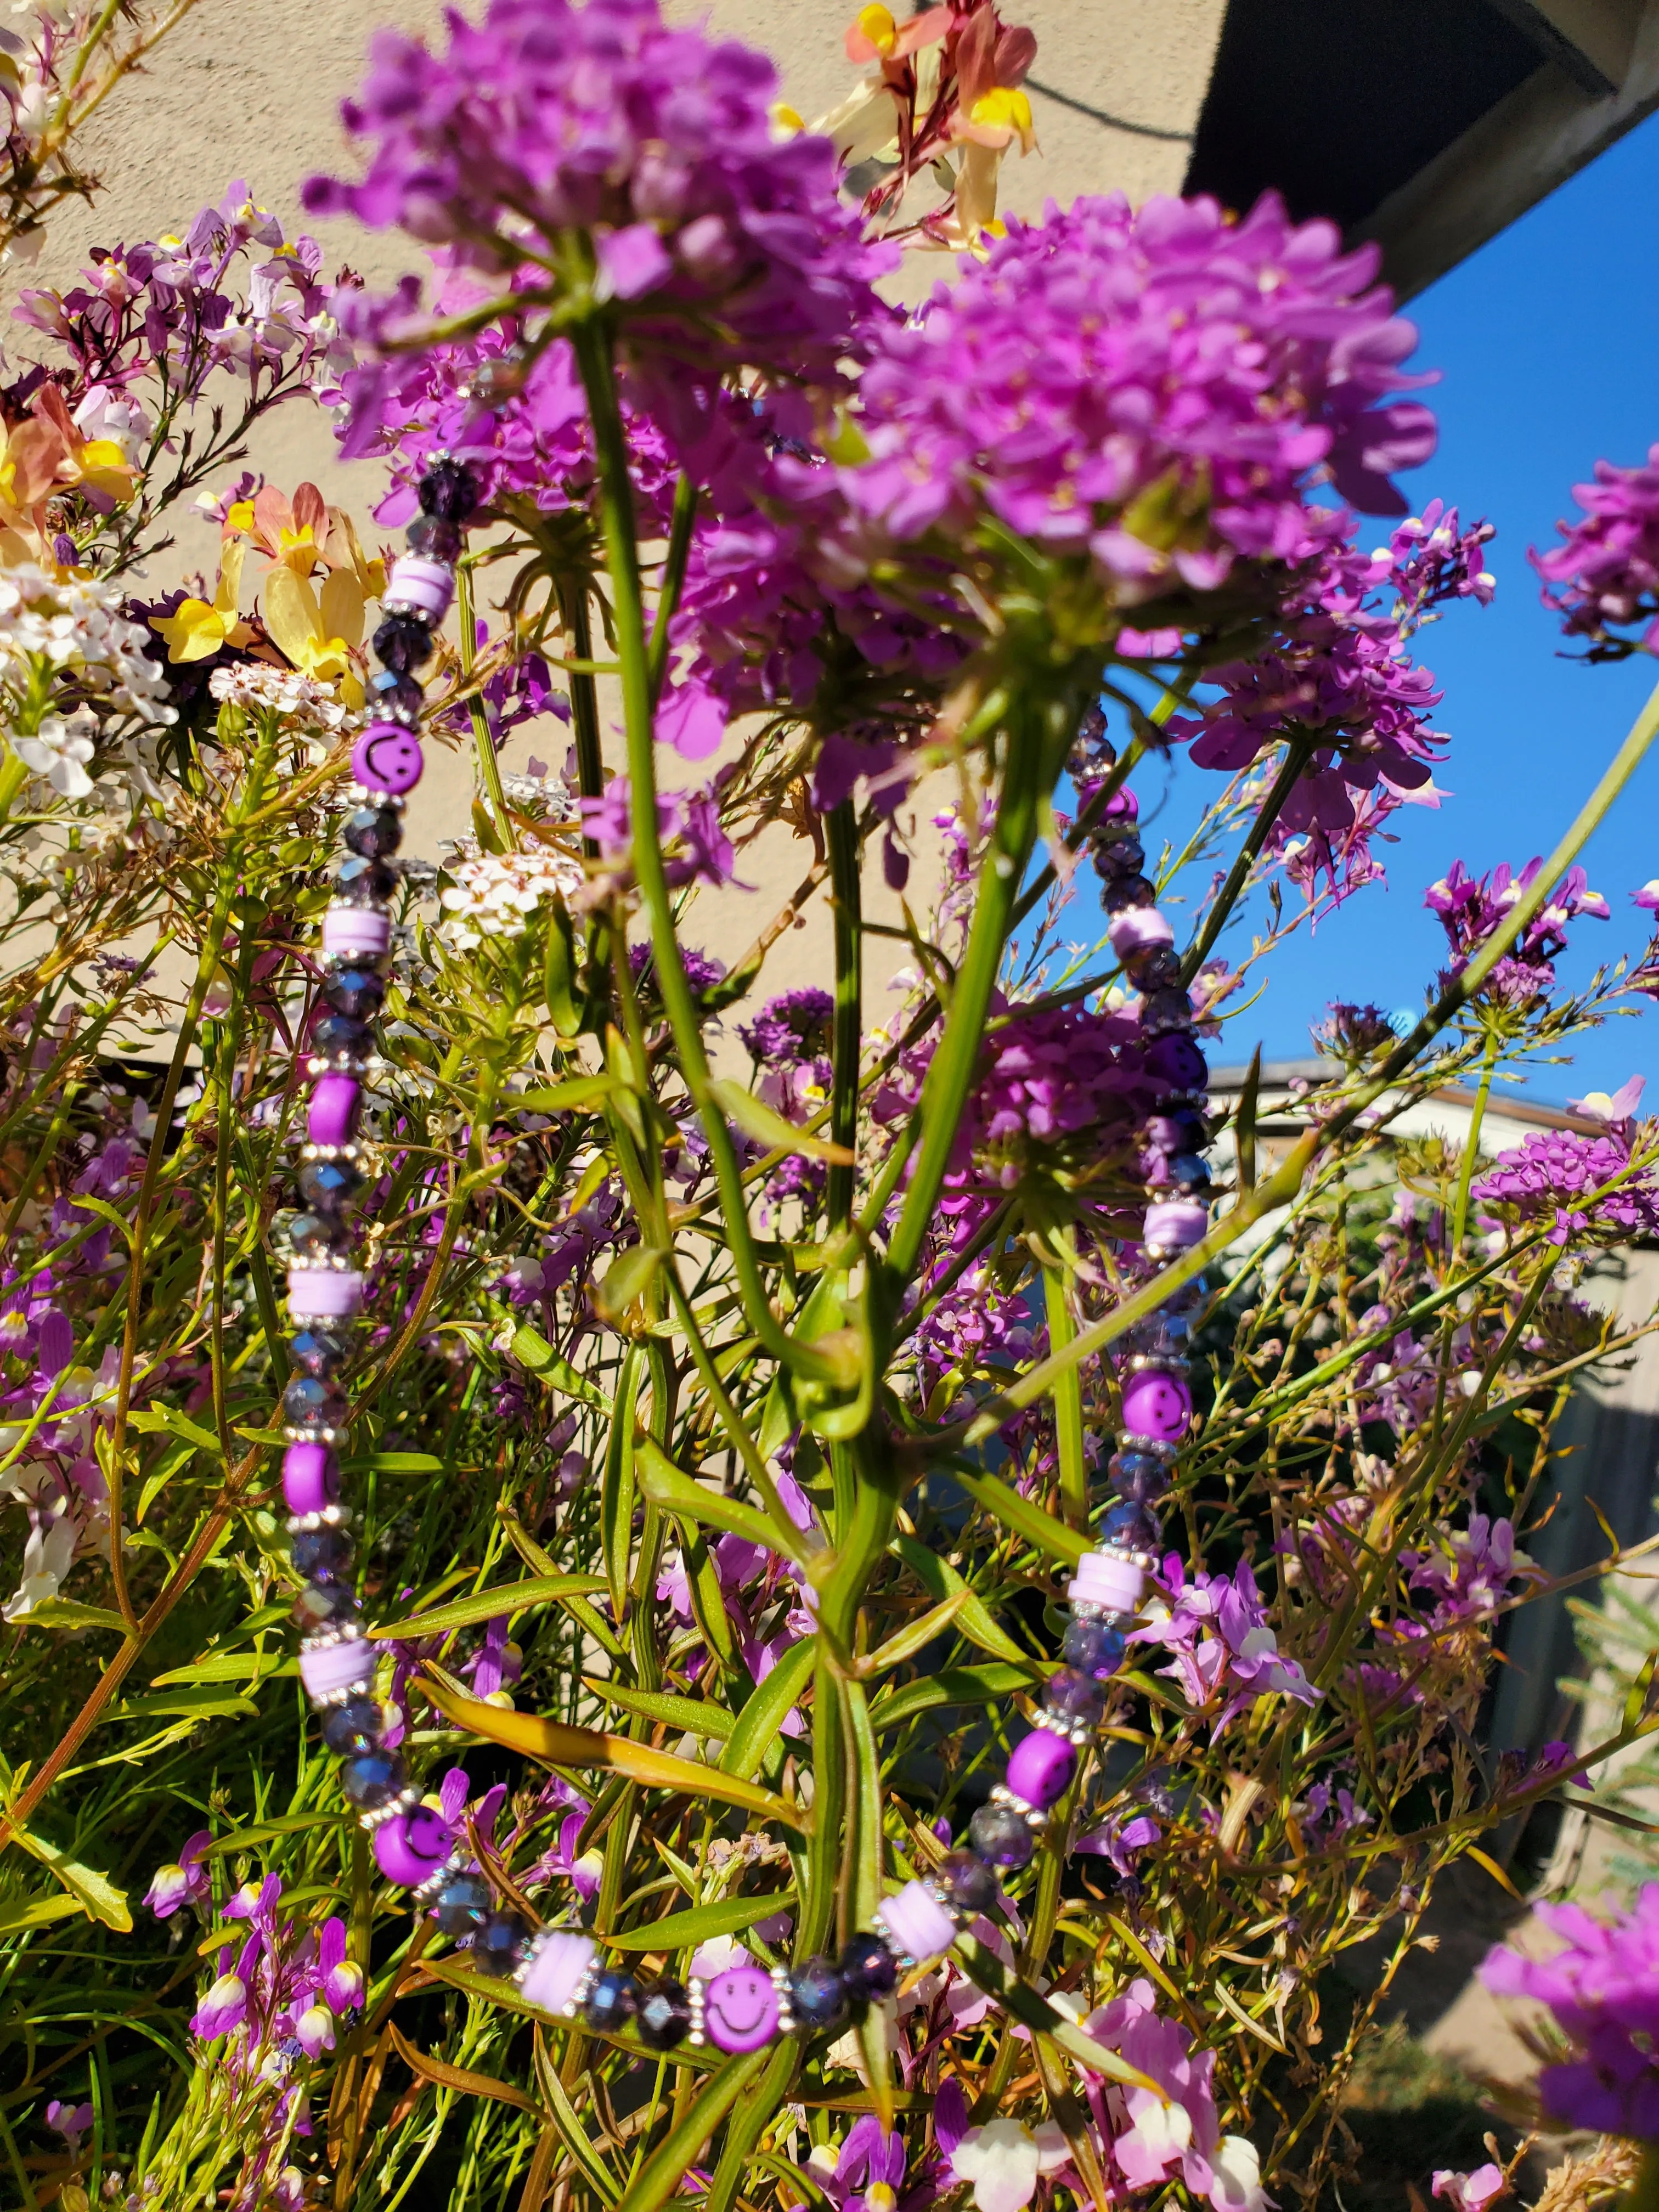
[1154, 967]
[611, 2002]
[373, 831]
[324, 1605]
[317, 1238]
[356, 993]
[1190, 1170]
[1165, 1011]
[1094, 1648]
[318, 1351]
[498, 1946]
[462, 1904]
[1072, 1695]
[1128, 891]
[818, 1994]
[1180, 1132]
[311, 1401]
[432, 538]
[1185, 1296]
[362, 881]
[997, 1835]
[448, 490]
[336, 1036]
[399, 698]
[353, 1728]
[1141, 1476]
[1119, 856]
[966, 1882]
[327, 1185]
[663, 2017]
[319, 1553]
[402, 643]
[1131, 1526]
[869, 1968]
[372, 1779]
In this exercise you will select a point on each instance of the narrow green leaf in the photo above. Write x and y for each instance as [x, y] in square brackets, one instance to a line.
[575, 2137]
[94, 1892]
[952, 1686]
[486, 1604]
[617, 1485]
[664, 2171]
[229, 1667]
[696, 1715]
[35, 1911]
[975, 1621]
[531, 1350]
[67, 1612]
[761, 1717]
[768, 1126]
[1018, 1513]
[1022, 2004]
[566, 1097]
[168, 1420]
[725, 1915]
[1244, 1124]
[627, 1280]
[1636, 1703]
[559, 970]
[394, 1463]
[668, 1485]
[906, 1642]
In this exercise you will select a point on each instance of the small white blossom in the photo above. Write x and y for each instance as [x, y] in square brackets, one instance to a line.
[1004, 2160]
[490, 896]
[59, 751]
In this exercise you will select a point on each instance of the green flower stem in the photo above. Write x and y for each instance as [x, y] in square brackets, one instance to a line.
[573, 620]
[1296, 754]
[1281, 1188]
[843, 839]
[1471, 1149]
[950, 1072]
[673, 580]
[1643, 2194]
[489, 767]
[622, 554]
[12, 776]
[1068, 1404]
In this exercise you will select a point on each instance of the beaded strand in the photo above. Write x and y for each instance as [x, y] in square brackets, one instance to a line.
[559, 1969]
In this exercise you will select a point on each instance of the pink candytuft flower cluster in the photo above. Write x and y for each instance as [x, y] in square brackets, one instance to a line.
[1603, 579]
[1603, 1988]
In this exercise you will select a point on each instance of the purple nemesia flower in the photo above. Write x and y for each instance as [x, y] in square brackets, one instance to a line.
[1472, 908]
[70, 2121]
[1470, 2192]
[868, 2174]
[1603, 579]
[1603, 1988]
[185, 1883]
[1222, 1646]
[1119, 1842]
[688, 823]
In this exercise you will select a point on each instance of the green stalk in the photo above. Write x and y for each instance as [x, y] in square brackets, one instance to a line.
[12, 776]
[1471, 1148]
[584, 699]
[673, 580]
[490, 768]
[849, 1008]
[1068, 1405]
[1643, 2194]
[622, 556]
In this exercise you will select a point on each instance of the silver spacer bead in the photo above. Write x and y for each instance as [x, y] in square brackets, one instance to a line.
[404, 1802]
[786, 2010]
[530, 1951]
[1154, 1447]
[424, 1899]
[1033, 1816]
[1078, 1734]
[697, 1998]
[342, 1063]
[314, 1436]
[323, 1639]
[352, 1152]
[1158, 1363]
[329, 1516]
[572, 2004]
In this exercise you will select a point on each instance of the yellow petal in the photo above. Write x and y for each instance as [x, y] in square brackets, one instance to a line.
[292, 615]
[877, 26]
[230, 578]
[194, 631]
[240, 515]
[343, 607]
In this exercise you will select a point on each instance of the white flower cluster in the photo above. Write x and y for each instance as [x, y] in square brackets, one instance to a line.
[491, 895]
[75, 627]
[259, 689]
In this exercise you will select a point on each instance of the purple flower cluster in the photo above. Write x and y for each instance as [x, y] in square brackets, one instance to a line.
[1603, 1988]
[791, 1029]
[1472, 908]
[1222, 1645]
[1557, 1171]
[1603, 578]
[714, 239]
[1154, 387]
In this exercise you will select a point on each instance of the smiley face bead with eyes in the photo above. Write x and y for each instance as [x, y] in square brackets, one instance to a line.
[388, 758]
[740, 2009]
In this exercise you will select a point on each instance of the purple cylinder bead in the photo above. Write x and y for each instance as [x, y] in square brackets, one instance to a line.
[1139, 929]
[426, 586]
[1108, 1580]
[1176, 1222]
[356, 932]
[410, 1848]
[1042, 1768]
[329, 1668]
[311, 1478]
[324, 1293]
[331, 1115]
[556, 1966]
[1158, 1404]
[388, 758]
[918, 1923]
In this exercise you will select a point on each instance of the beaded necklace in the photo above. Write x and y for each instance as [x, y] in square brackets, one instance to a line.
[559, 1969]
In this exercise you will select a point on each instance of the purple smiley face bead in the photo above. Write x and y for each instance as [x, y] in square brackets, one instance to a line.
[740, 2009]
[411, 1847]
[388, 758]
[1158, 1405]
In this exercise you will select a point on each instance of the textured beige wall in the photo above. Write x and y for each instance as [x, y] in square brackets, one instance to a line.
[252, 87]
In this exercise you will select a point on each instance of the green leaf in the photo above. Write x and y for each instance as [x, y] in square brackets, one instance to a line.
[94, 1892]
[761, 1717]
[668, 1485]
[768, 1126]
[486, 1604]
[941, 1579]
[67, 1613]
[35, 1911]
[559, 970]
[906, 1642]
[696, 1715]
[576, 2139]
[952, 1686]
[726, 1916]
[395, 1464]
[532, 1350]
[618, 1484]
[229, 1667]
[627, 1280]
[567, 1097]
[1018, 1513]
[169, 1421]
[665, 2170]
[1022, 2004]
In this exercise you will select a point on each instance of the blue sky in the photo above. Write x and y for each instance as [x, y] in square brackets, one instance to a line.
[1548, 344]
